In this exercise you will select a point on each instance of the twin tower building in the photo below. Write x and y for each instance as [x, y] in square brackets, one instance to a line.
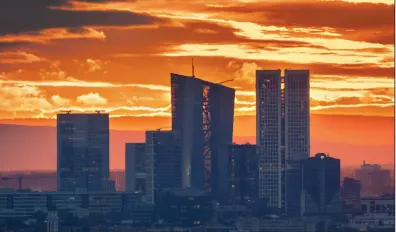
[195, 152]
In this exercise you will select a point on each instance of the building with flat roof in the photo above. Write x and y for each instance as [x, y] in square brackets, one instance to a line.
[243, 173]
[163, 162]
[374, 180]
[283, 128]
[351, 195]
[203, 112]
[135, 167]
[82, 152]
[24, 205]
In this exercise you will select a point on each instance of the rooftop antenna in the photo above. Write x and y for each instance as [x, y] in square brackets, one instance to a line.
[192, 65]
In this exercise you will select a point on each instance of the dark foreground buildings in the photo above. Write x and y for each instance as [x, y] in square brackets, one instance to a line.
[163, 162]
[204, 113]
[242, 174]
[313, 187]
[83, 152]
[135, 167]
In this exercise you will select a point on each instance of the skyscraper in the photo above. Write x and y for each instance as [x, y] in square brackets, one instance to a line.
[203, 112]
[283, 132]
[82, 152]
[135, 167]
[163, 162]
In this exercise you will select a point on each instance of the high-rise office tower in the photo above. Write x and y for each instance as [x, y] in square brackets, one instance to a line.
[243, 173]
[82, 152]
[204, 113]
[135, 167]
[163, 162]
[283, 131]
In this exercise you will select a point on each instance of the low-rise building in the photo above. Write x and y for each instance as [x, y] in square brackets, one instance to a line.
[274, 224]
[24, 205]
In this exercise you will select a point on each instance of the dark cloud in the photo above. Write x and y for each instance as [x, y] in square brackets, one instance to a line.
[370, 22]
[335, 14]
[338, 101]
[20, 16]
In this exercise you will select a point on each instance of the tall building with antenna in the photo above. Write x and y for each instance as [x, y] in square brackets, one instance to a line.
[283, 128]
[204, 114]
[83, 152]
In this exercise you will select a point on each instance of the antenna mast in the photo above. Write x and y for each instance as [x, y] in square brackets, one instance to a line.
[192, 65]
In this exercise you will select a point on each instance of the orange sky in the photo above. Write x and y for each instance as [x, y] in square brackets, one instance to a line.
[118, 55]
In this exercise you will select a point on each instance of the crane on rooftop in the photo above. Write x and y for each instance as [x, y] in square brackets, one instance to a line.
[166, 127]
[20, 179]
[222, 82]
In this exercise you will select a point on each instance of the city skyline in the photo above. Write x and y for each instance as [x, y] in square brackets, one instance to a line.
[122, 66]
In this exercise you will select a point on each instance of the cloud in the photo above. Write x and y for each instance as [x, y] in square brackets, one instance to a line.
[247, 72]
[19, 57]
[92, 99]
[72, 82]
[294, 55]
[60, 101]
[305, 14]
[47, 35]
[43, 14]
[369, 21]
[22, 98]
[95, 65]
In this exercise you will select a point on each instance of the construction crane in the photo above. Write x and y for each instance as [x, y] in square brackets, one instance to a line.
[66, 111]
[167, 127]
[20, 178]
[192, 66]
[222, 82]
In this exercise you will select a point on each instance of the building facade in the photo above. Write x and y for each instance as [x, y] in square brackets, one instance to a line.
[320, 186]
[283, 128]
[204, 113]
[185, 207]
[135, 167]
[243, 173]
[82, 152]
[374, 179]
[163, 162]
[24, 205]
[351, 195]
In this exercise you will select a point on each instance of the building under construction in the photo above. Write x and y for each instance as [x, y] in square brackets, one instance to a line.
[204, 114]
